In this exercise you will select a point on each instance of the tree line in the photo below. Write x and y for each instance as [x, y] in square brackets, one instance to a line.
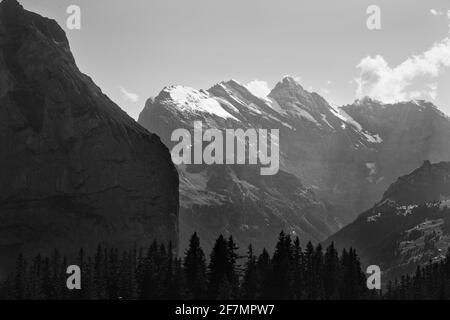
[430, 282]
[156, 273]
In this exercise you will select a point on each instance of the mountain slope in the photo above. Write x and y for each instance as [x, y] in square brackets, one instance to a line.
[412, 132]
[76, 170]
[409, 226]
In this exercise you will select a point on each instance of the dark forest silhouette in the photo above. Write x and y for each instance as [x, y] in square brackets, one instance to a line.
[291, 273]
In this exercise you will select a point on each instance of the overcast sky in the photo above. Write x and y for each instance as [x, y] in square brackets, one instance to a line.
[133, 48]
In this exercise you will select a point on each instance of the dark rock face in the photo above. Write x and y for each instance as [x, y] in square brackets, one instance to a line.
[429, 183]
[76, 170]
[408, 227]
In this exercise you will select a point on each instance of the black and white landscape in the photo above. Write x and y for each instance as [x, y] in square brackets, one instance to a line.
[83, 183]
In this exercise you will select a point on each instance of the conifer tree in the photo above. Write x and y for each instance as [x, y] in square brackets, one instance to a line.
[195, 270]
[219, 267]
[264, 267]
[250, 284]
[232, 267]
[281, 277]
[318, 292]
[309, 274]
[297, 270]
[331, 273]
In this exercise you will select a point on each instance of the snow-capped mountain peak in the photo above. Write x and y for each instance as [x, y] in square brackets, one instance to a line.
[189, 100]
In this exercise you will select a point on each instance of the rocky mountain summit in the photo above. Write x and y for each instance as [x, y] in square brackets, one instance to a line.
[76, 170]
[345, 156]
[236, 200]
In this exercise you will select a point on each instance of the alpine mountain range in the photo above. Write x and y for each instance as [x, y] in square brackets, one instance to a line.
[335, 162]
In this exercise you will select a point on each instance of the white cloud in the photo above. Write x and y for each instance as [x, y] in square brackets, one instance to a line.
[448, 16]
[414, 78]
[435, 12]
[128, 96]
[432, 90]
[380, 81]
[259, 88]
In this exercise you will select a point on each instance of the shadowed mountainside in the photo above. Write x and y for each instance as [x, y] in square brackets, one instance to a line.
[76, 169]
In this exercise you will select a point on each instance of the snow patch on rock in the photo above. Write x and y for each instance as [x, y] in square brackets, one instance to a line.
[374, 218]
[406, 210]
[274, 105]
[347, 119]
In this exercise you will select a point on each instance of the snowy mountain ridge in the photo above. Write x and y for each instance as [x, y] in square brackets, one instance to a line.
[343, 157]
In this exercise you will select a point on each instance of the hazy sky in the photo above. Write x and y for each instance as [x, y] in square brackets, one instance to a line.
[133, 48]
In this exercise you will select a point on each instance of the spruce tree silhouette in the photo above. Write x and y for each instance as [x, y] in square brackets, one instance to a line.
[195, 270]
